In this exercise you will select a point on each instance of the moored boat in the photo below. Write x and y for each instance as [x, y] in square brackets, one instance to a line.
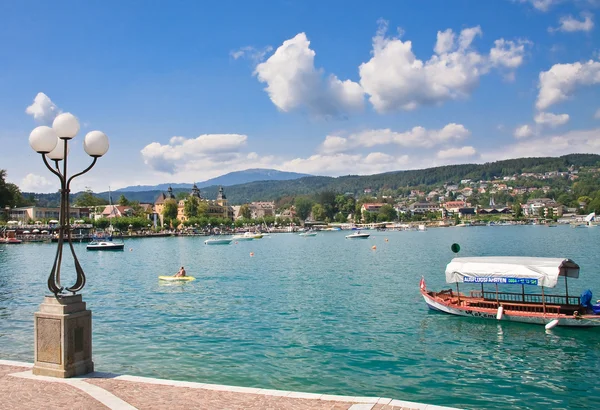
[105, 246]
[242, 238]
[218, 241]
[308, 233]
[358, 235]
[538, 308]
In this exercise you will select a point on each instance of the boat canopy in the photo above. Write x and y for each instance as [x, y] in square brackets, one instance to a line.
[511, 270]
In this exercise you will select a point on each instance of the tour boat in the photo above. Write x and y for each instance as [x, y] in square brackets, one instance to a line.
[10, 241]
[539, 308]
[358, 235]
[105, 246]
[218, 241]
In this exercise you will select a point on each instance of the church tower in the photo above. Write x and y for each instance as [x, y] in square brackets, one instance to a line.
[221, 198]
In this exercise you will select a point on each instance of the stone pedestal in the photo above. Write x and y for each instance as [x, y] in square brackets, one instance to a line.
[63, 337]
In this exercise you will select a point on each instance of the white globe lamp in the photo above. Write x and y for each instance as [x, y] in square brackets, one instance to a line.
[95, 144]
[66, 126]
[58, 153]
[43, 139]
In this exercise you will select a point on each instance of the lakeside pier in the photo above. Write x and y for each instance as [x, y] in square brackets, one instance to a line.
[20, 389]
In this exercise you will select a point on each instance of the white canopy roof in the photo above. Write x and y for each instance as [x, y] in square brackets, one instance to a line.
[510, 270]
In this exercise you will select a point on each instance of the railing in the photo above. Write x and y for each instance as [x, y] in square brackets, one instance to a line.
[527, 298]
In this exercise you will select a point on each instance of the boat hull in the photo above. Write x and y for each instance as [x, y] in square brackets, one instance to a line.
[522, 317]
[217, 241]
[358, 236]
[103, 246]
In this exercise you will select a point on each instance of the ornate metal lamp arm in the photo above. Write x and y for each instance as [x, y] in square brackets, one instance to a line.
[65, 228]
[46, 141]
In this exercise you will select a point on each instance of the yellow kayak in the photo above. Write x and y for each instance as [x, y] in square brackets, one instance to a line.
[177, 279]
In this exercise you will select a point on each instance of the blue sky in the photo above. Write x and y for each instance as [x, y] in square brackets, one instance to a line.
[187, 91]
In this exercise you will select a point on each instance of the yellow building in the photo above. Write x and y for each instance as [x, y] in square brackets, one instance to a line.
[216, 208]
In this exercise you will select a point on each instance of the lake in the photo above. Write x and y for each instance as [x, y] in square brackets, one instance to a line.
[319, 314]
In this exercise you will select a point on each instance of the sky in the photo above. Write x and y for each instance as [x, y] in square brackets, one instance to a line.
[188, 91]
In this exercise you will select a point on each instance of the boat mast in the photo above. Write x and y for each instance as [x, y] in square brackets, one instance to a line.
[566, 290]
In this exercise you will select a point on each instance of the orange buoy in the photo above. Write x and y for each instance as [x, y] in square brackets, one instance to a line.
[386, 239]
[251, 254]
[373, 247]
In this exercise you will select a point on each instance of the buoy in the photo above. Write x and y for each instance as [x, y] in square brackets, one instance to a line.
[251, 254]
[236, 242]
[500, 312]
[552, 324]
[373, 247]
[386, 239]
[130, 249]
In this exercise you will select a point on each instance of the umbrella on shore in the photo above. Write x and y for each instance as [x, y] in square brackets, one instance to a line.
[54, 221]
[36, 231]
[45, 231]
[26, 232]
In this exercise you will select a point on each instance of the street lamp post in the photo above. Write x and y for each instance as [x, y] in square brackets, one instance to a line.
[63, 325]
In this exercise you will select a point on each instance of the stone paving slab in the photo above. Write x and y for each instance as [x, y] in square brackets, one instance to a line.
[22, 394]
[19, 389]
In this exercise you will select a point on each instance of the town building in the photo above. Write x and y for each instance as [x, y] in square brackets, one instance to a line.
[33, 213]
[215, 208]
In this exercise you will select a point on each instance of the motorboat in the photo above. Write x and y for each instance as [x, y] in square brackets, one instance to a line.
[242, 238]
[218, 241]
[105, 246]
[308, 233]
[528, 307]
[358, 235]
[253, 235]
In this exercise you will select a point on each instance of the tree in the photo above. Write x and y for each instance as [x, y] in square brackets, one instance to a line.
[181, 196]
[190, 207]
[245, 211]
[87, 199]
[387, 213]
[518, 212]
[303, 207]
[169, 211]
[123, 201]
[318, 212]
[202, 208]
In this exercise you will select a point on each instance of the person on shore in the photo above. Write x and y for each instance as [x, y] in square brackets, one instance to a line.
[181, 273]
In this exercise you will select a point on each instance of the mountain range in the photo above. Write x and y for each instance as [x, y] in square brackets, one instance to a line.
[268, 190]
[232, 178]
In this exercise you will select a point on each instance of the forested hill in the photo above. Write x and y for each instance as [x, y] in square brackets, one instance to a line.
[272, 190]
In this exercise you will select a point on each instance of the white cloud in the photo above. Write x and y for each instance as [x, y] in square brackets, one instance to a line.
[180, 153]
[523, 131]
[256, 55]
[415, 137]
[550, 119]
[597, 114]
[396, 79]
[561, 81]
[508, 53]
[43, 109]
[463, 152]
[542, 5]
[343, 164]
[570, 24]
[36, 183]
[293, 82]
[576, 141]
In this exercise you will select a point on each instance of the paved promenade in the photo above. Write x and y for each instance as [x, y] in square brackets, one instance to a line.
[20, 389]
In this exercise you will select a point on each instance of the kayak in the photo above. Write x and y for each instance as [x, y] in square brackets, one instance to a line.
[177, 279]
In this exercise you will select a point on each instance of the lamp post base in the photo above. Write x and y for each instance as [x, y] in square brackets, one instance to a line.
[63, 337]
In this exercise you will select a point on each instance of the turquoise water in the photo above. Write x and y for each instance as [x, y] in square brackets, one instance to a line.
[320, 314]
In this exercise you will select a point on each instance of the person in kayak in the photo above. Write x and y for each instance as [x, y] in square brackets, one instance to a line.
[181, 273]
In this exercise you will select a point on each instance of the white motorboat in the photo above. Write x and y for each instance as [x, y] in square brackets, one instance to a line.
[358, 235]
[218, 241]
[308, 233]
[242, 238]
[105, 246]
